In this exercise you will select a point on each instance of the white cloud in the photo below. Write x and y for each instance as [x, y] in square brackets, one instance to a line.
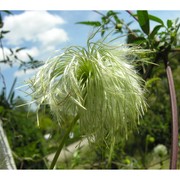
[30, 26]
[25, 74]
[34, 52]
[52, 36]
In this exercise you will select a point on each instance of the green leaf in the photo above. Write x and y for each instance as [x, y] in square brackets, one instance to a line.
[30, 57]
[151, 81]
[102, 31]
[1, 24]
[12, 97]
[143, 20]
[156, 19]
[154, 31]
[11, 51]
[1, 109]
[105, 20]
[5, 32]
[8, 12]
[169, 23]
[20, 49]
[139, 40]
[90, 23]
[129, 23]
[11, 93]
[111, 13]
[16, 57]
[117, 19]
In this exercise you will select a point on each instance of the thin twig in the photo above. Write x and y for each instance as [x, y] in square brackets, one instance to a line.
[63, 142]
[104, 16]
[129, 12]
[114, 23]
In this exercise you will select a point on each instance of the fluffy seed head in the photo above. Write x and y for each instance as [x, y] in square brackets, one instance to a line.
[98, 83]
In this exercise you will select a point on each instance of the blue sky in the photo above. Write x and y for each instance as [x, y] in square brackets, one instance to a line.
[44, 32]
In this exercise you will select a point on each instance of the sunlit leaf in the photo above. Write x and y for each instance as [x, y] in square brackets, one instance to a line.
[151, 81]
[156, 19]
[139, 40]
[143, 20]
[90, 23]
[169, 23]
[112, 13]
[155, 30]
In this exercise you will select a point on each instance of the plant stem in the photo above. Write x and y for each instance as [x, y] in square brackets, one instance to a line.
[63, 142]
[174, 140]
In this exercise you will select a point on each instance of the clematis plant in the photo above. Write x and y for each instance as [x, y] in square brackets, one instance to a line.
[97, 86]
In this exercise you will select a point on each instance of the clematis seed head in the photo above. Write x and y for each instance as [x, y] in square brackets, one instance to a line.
[98, 83]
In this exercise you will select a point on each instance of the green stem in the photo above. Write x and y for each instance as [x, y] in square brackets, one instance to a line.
[63, 142]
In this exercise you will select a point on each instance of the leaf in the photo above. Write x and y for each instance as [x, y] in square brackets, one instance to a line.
[12, 97]
[154, 31]
[1, 24]
[11, 51]
[111, 13]
[143, 20]
[90, 23]
[8, 12]
[129, 23]
[139, 40]
[11, 93]
[117, 19]
[102, 31]
[1, 109]
[156, 19]
[114, 15]
[169, 23]
[16, 57]
[151, 81]
[17, 50]
[30, 57]
[5, 32]
[105, 20]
